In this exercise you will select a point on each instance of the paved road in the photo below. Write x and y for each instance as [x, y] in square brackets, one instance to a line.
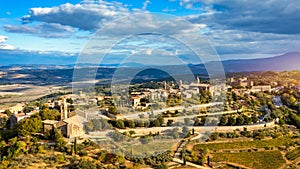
[156, 112]
[202, 129]
[180, 118]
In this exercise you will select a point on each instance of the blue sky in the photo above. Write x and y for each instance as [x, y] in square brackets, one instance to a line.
[57, 31]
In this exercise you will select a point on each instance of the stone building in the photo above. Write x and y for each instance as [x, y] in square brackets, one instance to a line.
[70, 125]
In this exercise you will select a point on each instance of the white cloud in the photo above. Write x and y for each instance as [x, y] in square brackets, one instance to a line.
[168, 10]
[49, 30]
[3, 39]
[150, 23]
[149, 51]
[145, 4]
[4, 46]
[248, 29]
[85, 16]
[7, 47]
[276, 16]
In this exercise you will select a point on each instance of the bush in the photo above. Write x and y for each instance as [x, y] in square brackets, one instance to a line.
[82, 153]
[162, 166]
[85, 164]
[60, 158]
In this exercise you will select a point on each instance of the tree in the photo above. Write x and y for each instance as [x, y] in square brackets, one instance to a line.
[281, 121]
[170, 122]
[223, 121]
[254, 119]
[231, 121]
[185, 130]
[162, 166]
[120, 124]
[183, 155]
[131, 124]
[89, 126]
[27, 109]
[239, 120]
[61, 144]
[247, 119]
[29, 125]
[197, 121]
[214, 136]
[175, 133]
[187, 121]
[75, 145]
[116, 136]
[69, 100]
[17, 148]
[146, 123]
[53, 134]
[7, 112]
[113, 110]
[118, 159]
[161, 120]
[85, 164]
[156, 123]
[47, 114]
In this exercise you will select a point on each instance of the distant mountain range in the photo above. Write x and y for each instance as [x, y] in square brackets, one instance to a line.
[288, 61]
[63, 74]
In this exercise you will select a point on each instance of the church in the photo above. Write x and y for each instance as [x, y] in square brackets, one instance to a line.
[70, 125]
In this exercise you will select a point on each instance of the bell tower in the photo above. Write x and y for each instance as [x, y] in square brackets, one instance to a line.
[64, 109]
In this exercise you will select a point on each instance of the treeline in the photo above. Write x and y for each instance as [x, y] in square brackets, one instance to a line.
[294, 119]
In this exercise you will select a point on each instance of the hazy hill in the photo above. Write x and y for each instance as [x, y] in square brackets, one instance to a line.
[288, 61]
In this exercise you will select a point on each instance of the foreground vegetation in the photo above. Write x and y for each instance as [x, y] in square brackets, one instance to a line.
[269, 143]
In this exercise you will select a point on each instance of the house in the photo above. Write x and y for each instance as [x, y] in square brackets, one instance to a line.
[17, 108]
[200, 86]
[136, 101]
[48, 124]
[243, 82]
[261, 88]
[15, 118]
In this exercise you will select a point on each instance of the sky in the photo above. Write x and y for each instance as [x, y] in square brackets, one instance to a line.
[57, 32]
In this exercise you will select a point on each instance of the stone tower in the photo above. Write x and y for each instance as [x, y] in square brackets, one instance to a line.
[64, 109]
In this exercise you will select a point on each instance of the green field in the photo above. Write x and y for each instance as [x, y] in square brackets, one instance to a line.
[256, 160]
[282, 141]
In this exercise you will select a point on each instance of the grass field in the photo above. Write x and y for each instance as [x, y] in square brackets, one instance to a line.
[151, 147]
[256, 160]
[246, 144]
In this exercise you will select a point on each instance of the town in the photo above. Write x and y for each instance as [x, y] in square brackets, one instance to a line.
[175, 123]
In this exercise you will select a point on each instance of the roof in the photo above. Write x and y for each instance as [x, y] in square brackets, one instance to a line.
[77, 120]
[60, 123]
[52, 122]
[3, 115]
[200, 84]
[20, 115]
